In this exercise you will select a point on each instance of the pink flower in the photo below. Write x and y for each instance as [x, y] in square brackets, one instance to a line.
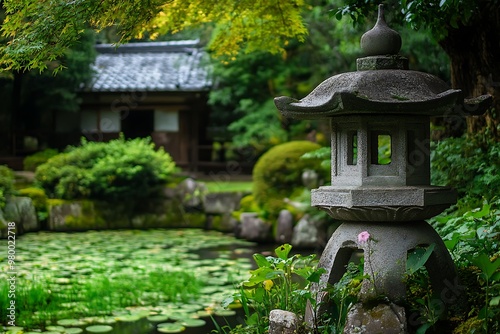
[363, 237]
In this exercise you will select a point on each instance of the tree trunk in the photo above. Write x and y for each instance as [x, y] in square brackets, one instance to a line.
[474, 51]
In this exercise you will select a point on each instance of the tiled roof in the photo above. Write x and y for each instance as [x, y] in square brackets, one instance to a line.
[151, 66]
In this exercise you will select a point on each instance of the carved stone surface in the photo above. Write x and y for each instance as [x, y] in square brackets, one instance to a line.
[384, 213]
[382, 203]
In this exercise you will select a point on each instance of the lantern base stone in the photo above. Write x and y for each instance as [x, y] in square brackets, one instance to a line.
[385, 262]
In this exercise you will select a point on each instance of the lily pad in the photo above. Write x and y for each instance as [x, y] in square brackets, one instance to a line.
[55, 328]
[107, 320]
[158, 318]
[225, 313]
[73, 330]
[179, 316]
[193, 322]
[174, 327]
[128, 318]
[71, 322]
[204, 313]
[99, 329]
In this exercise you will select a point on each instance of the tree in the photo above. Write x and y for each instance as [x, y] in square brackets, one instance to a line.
[41, 31]
[469, 33]
[29, 98]
[242, 99]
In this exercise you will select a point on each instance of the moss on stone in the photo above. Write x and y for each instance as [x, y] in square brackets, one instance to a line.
[87, 214]
[472, 325]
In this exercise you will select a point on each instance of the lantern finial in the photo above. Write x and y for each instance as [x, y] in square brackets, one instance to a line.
[381, 40]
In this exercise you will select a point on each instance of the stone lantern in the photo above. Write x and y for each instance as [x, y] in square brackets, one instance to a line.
[380, 120]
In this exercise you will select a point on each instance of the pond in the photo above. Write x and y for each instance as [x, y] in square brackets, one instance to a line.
[124, 281]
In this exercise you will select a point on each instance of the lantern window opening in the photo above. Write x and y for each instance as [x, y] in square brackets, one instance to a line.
[381, 148]
[352, 151]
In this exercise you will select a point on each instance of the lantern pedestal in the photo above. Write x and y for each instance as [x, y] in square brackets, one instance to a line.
[385, 259]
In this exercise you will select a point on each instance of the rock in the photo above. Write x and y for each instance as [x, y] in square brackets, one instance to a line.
[191, 192]
[308, 233]
[253, 228]
[222, 202]
[223, 223]
[310, 179]
[3, 226]
[284, 227]
[383, 318]
[21, 211]
[74, 216]
[282, 322]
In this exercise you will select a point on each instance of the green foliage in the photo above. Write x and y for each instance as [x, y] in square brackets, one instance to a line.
[278, 174]
[437, 17]
[474, 241]
[242, 100]
[283, 282]
[6, 184]
[260, 128]
[342, 296]
[41, 32]
[48, 92]
[31, 162]
[274, 285]
[420, 297]
[117, 170]
[39, 199]
[468, 164]
[246, 85]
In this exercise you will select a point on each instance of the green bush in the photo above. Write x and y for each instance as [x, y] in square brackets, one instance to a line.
[117, 170]
[6, 184]
[31, 162]
[468, 164]
[278, 174]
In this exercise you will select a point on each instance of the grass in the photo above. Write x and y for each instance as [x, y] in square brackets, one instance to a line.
[36, 303]
[228, 186]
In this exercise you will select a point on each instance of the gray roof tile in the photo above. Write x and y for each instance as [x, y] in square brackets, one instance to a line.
[151, 66]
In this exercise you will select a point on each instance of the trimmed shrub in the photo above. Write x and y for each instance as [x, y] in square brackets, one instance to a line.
[278, 174]
[6, 184]
[117, 170]
[31, 162]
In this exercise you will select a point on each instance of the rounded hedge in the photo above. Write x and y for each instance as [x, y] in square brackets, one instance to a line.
[115, 170]
[278, 174]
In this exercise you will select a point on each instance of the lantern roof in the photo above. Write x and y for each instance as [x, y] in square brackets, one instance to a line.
[382, 84]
